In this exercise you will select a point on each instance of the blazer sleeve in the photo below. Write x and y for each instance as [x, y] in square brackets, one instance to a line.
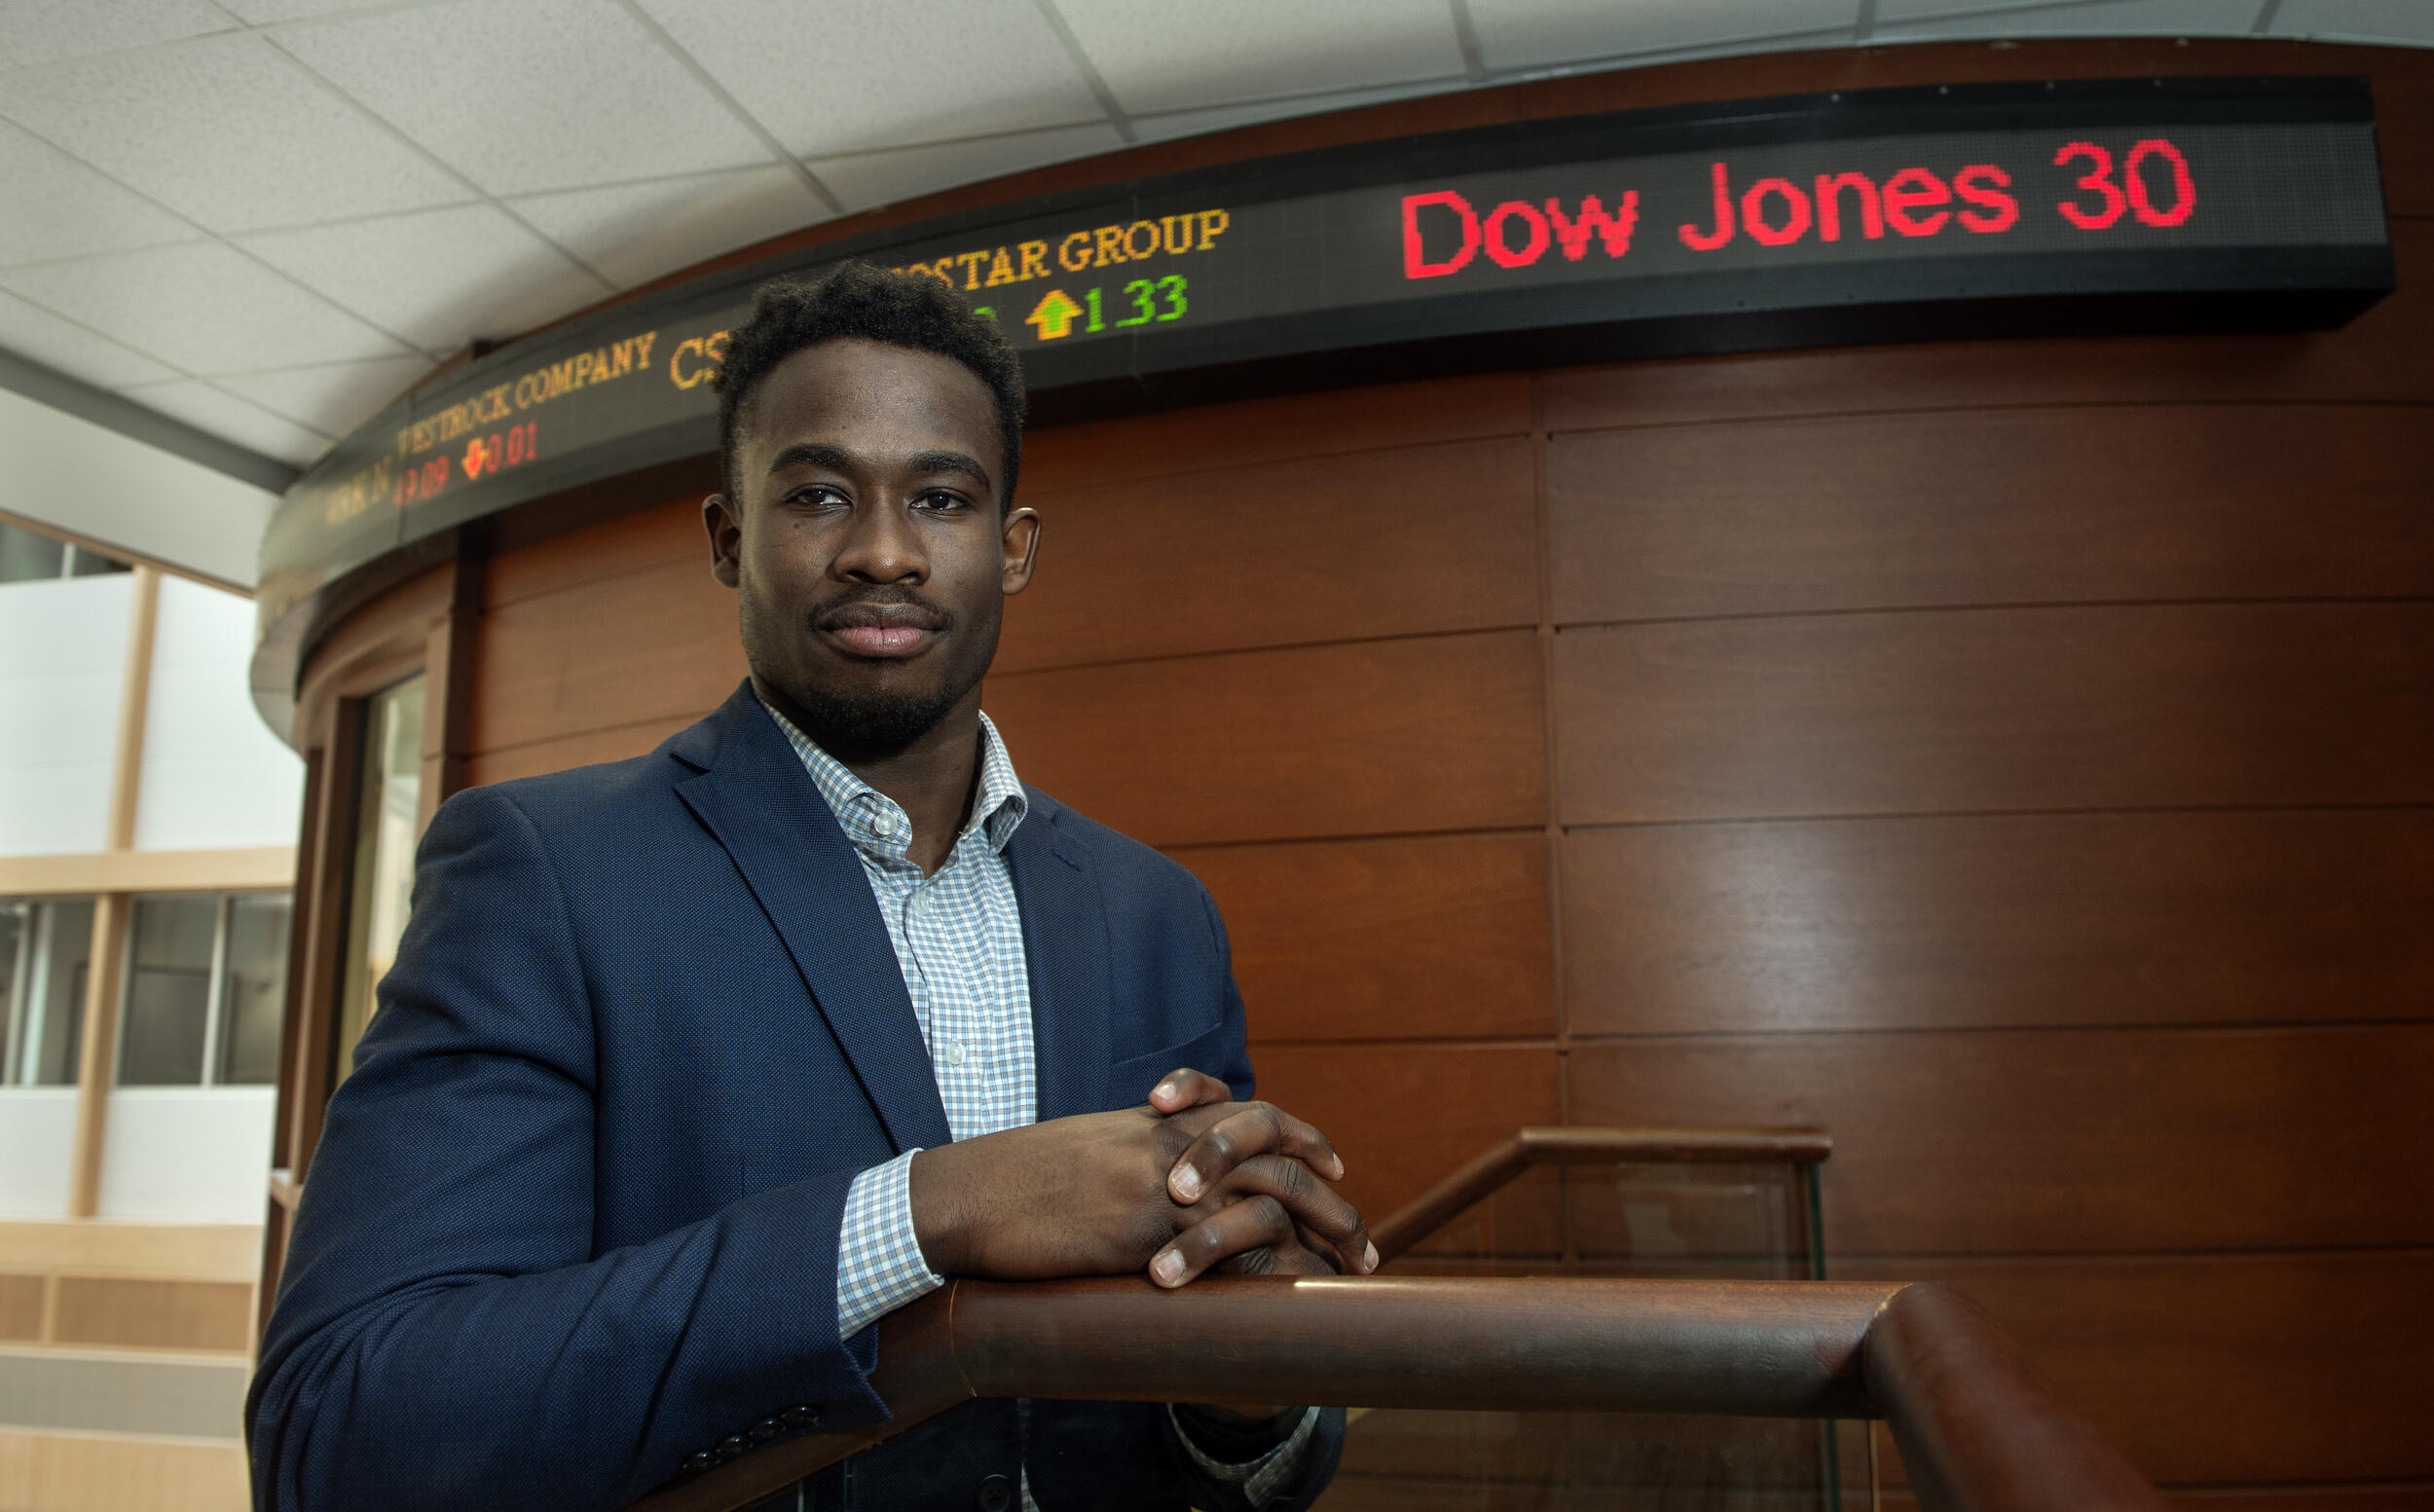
[444, 1336]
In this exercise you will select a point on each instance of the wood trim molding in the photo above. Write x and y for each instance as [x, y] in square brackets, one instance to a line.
[159, 1251]
[126, 770]
[96, 1066]
[264, 866]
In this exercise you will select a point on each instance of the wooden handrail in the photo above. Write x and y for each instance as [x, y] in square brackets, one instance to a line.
[1475, 1181]
[1978, 1426]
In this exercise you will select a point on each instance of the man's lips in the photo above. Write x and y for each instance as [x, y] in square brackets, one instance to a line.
[881, 630]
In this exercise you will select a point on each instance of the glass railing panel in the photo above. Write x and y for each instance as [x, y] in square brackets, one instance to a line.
[1707, 1220]
[1704, 1220]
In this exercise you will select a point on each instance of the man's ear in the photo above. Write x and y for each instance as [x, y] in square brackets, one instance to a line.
[1021, 546]
[727, 536]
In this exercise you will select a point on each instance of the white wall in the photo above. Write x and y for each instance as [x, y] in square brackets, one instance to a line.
[63, 666]
[186, 1154]
[37, 1145]
[92, 481]
[215, 775]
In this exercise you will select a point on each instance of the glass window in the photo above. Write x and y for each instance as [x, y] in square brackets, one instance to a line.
[171, 943]
[16, 956]
[25, 557]
[46, 947]
[85, 562]
[28, 556]
[388, 794]
[253, 989]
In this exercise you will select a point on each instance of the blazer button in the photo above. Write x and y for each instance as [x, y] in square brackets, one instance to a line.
[996, 1494]
[699, 1460]
[763, 1432]
[800, 1416]
[731, 1446]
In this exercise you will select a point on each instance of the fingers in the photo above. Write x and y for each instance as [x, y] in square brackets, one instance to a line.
[1187, 1089]
[1321, 1216]
[1251, 1224]
[1244, 1131]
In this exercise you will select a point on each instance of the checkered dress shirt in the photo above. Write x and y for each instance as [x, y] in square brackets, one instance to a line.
[958, 938]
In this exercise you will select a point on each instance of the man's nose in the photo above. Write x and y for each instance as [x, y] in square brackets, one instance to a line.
[883, 544]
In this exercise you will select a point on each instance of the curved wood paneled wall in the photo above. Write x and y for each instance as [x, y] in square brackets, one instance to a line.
[2014, 758]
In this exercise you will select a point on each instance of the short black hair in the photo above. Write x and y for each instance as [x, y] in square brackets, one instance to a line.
[899, 309]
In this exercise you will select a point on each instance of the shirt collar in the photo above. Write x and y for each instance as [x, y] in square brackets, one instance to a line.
[875, 823]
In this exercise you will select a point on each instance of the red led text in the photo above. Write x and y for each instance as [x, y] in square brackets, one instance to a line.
[1514, 234]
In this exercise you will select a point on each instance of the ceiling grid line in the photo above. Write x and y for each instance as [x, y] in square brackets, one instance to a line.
[396, 133]
[1466, 37]
[1116, 116]
[692, 65]
[202, 236]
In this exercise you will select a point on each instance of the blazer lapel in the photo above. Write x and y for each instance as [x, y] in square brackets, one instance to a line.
[1065, 947]
[756, 798]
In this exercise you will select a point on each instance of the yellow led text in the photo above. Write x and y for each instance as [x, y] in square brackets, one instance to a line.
[1101, 246]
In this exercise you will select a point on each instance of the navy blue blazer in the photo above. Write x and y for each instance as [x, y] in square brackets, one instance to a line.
[573, 1217]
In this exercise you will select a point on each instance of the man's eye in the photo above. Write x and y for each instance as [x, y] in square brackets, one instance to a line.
[940, 498]
[815, 497]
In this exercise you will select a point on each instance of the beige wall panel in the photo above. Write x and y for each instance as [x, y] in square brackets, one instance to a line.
[20, 1308]
[153, 1314]
[58, 1472]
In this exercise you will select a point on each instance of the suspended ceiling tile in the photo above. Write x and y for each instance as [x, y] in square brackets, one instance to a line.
[31, 331]
[524, 96]
[2357, 20]
[841, 77]
[437, 277]
[232, 418]
[2107, 19]
[1222, 117]
[33, 33]
[873, 178]
[1536, 33]
[202, 307]
[635, 233]
[38, 182]
[1158, 55]
[331, 397]
[226, 132]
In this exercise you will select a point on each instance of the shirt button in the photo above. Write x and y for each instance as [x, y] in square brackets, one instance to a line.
[885, 824]
[951, 1052]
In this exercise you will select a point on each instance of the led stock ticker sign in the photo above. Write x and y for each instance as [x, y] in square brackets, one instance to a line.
[1774, 211]
[1966, 210]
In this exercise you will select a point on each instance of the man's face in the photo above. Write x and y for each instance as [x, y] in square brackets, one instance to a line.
[863, 540]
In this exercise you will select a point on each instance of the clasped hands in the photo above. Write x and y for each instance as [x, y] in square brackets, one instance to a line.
[1191, 1183]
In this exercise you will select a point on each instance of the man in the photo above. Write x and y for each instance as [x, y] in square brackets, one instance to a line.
[692, 1067]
